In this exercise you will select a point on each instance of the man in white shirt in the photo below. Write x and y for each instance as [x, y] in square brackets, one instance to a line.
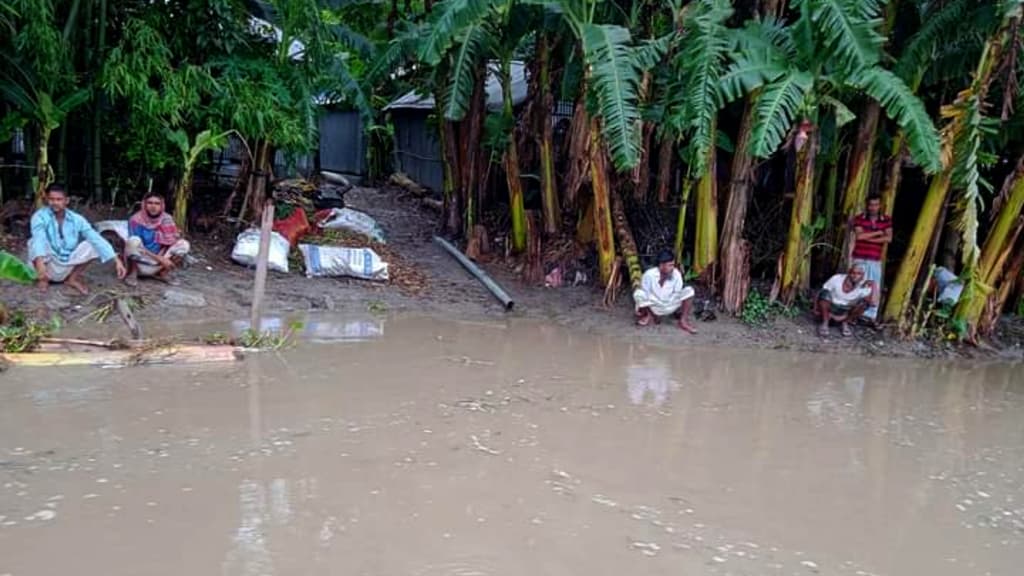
[844, 298]
[662, 293]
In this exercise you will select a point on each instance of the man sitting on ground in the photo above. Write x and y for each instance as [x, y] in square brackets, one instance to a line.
[844, 298]
[154, 246]
[662, 292]
[63, 243]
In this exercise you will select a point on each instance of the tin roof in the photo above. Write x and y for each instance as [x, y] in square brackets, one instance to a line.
[414, 100]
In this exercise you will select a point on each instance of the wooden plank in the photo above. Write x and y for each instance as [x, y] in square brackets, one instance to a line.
[181, 354]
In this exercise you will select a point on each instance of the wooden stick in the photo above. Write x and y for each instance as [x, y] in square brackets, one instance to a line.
[129, 318]
[260, 284]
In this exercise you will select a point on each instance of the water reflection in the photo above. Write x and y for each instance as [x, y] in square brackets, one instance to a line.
[651, 376]
[322, 330]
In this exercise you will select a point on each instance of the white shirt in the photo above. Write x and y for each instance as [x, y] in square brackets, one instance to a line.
[663, 294]
[950, 287]
[840, 296]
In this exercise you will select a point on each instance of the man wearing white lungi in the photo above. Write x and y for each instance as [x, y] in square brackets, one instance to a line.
[662, 293]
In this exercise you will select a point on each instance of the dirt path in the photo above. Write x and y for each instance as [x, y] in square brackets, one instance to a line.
[218, 289]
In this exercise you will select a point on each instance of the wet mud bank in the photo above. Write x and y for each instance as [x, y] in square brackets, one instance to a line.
[217, 289]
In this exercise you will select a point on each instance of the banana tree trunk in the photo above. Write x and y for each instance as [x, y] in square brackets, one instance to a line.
[182, 196]
[599, 182]
[44, 173]
[449, 160]
[1013, 277]
[893, 175]
[706, 243]
[627, 245]
[515, 183]
[927, 222]
[641, 175]
[793, 277]
[579, 151]
[471, 151]
[677, 248]
[986, 274]
[665, 150]
[735, 256]
[549, 192]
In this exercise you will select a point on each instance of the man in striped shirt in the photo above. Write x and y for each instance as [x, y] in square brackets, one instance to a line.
[872, 230]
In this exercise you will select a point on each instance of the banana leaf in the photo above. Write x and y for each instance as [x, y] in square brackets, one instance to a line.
[14, 270]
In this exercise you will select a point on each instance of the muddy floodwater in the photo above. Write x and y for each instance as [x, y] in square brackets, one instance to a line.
[421, 447]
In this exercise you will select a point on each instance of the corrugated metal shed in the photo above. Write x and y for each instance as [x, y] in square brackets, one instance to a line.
[342, 142]
[417, 149]
[413, 100]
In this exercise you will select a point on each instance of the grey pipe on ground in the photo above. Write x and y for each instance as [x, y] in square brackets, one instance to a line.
[477, 273]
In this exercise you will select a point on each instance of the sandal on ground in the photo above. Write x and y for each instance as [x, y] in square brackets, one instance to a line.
[845, 331]
[823, 331]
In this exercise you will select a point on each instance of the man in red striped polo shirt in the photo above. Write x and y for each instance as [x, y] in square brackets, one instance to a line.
[872, 230]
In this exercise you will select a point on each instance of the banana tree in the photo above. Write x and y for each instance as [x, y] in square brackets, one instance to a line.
[961, 137]
[191, 154]
[983, 278]
[13, 269]
[802, 70]
[694, 100]
[735, 250]
[613, 65]
[471, 33]
[36, 77]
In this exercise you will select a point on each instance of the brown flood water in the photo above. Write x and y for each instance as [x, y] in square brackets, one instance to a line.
[436, 448]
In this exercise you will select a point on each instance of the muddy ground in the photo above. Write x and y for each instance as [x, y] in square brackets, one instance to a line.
[214, 288]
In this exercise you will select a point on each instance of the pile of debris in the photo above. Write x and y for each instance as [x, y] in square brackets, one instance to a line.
[315, 230]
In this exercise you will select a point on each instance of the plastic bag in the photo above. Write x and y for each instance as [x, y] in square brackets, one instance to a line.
[247, 248]
[351, 220]
[294, 227]
[338, 261]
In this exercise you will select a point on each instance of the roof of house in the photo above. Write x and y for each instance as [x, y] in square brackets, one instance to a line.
[414, 100]
[272, 33]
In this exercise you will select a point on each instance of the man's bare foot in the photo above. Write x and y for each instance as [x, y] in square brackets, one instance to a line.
[43, 284]
[845, 330]
[78, 285]
[823, 331]
[643, 320]
[686, 326]
[166, 278]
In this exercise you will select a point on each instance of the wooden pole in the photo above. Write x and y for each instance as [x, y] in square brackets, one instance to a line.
[260, 284]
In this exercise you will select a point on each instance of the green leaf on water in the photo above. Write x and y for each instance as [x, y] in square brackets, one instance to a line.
[14, 270]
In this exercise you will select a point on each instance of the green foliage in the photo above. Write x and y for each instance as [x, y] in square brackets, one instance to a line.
[615, 80]
[12, 269]
[269, 339]
[21, 334]
[940, 24]
[36, 74]
[760, 312]
[162, 95]
[832, 49]
[694, 92]
[907, 110]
